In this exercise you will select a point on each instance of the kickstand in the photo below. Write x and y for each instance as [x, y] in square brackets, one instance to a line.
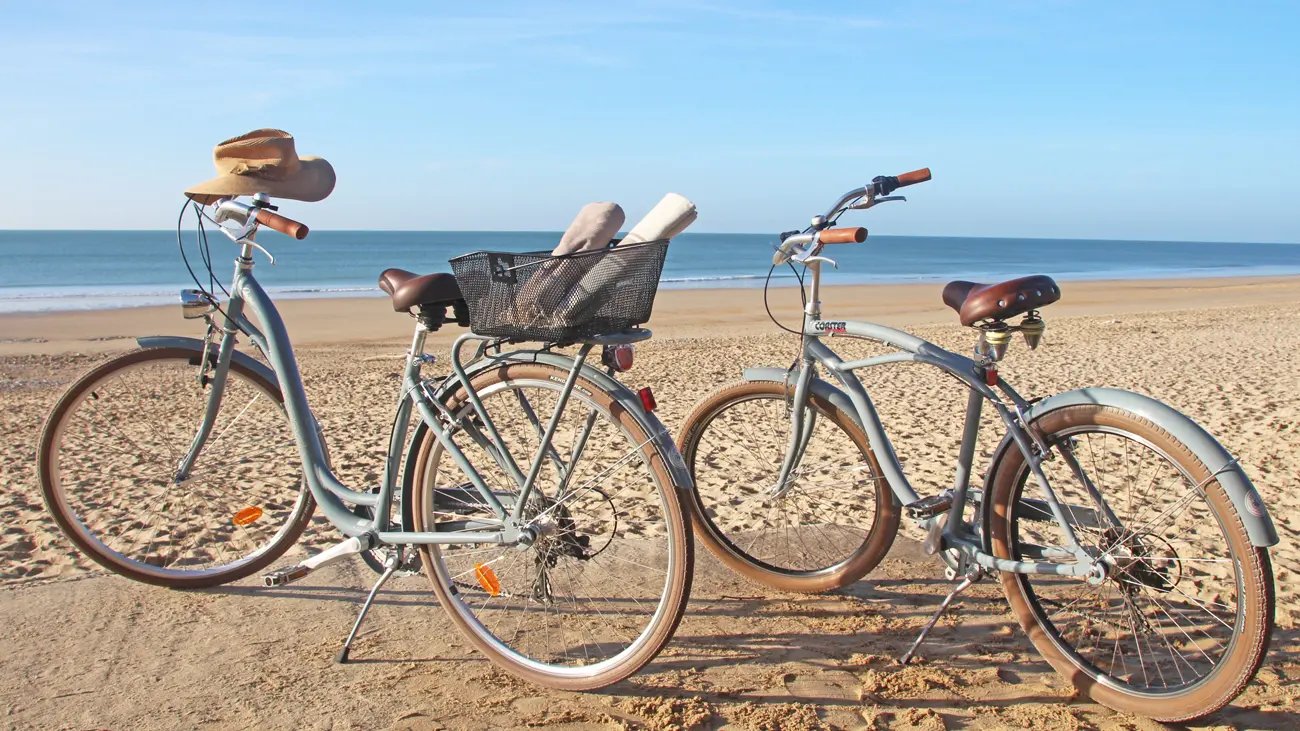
[390, 566]
[943, 607]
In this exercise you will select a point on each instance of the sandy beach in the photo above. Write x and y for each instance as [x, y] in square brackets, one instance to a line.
[89, 650]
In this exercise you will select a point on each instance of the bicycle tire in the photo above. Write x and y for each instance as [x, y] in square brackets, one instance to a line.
[1156, 565]
[64, 506]
[456, 593]
[848, 557]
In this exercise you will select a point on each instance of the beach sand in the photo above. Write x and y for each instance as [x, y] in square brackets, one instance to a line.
[85, 650]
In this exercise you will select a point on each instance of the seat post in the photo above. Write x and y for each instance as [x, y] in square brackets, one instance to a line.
[416, 357]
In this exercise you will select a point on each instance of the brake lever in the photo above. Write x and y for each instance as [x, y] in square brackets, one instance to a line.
[785, 252]
[883, 199]
[820, 258]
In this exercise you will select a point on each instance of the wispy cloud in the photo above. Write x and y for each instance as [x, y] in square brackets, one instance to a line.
[809, 22]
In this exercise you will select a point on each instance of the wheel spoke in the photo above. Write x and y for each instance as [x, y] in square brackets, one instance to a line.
[120, 441]
[588, 586]
[1167, 567]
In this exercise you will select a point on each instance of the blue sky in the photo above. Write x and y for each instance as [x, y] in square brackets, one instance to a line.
[1134, 119]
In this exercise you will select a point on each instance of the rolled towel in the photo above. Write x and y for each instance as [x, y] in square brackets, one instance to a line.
[669, 217]
[593, 228]
[547, 286]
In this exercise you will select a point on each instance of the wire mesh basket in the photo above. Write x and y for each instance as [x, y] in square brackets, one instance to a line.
[536, 296]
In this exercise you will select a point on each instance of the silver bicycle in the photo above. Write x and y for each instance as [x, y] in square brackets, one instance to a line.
[541, 495]
[1131, 546]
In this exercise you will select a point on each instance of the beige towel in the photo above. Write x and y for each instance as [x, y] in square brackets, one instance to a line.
[668, 218]
[544, 292]
[593, 228]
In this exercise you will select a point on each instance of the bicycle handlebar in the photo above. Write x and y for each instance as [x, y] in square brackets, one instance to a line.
[232, 210]
[857, 199]
[914, 177]
[881, 186]
[283, 224]
[854, 235]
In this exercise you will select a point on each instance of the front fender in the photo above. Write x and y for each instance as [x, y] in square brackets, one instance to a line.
[195, 344]
[1259, 526]
[821, 389]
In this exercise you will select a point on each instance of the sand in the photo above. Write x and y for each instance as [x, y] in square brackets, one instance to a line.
[85, 650]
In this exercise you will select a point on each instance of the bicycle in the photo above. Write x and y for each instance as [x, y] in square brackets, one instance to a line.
[541, 495]
[1139, 570]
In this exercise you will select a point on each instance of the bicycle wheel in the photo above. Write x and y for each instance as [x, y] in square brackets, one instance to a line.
[1182, 620]
[108, 461]
[602, 589]
[831, 527]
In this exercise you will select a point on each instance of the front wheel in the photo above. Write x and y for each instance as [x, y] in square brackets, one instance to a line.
[832, 522]
[1182, 619]
[109, 458]
[601, 589]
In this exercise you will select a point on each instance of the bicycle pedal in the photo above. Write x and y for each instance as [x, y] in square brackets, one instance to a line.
[928, 507]
[285, 576]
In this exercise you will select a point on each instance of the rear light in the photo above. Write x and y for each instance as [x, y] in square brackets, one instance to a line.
[617, 357]
[647, 398]
[991, 375]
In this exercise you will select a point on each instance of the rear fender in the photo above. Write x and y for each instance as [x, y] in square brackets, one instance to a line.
[1255, 517]
[677, 472]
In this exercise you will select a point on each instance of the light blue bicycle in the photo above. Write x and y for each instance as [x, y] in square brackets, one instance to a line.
[541, 495]
[1131, 546]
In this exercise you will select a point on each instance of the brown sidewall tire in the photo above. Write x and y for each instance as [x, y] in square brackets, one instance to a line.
[1249, 646]
[879, 539]
[62, 513]
[679, 582]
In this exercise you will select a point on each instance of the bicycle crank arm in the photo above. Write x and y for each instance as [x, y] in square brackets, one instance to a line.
[290, 574]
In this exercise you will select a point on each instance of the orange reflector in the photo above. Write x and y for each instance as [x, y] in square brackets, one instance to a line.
[246, 516]
[487, 578]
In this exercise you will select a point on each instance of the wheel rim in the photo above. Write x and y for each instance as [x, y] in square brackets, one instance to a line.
[111, 469]
[816, 527]
[1168, 612]
[590, 592]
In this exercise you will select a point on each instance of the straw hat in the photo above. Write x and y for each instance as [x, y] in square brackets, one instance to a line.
[264, 161]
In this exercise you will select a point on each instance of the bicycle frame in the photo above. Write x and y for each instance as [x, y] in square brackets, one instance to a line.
[246, 294]
[958, 534]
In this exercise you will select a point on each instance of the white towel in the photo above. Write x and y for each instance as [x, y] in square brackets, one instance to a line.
[668, 218]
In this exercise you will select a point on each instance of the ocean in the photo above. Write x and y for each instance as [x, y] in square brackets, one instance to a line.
[72, 270]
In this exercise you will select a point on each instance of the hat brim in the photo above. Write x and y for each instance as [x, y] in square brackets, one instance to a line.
[313, 182]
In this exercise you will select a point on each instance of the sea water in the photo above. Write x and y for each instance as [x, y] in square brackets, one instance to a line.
[70, 270]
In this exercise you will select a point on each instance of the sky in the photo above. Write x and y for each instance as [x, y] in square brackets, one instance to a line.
[1123, 120]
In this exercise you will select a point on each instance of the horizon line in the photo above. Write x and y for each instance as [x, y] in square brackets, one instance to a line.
[707, 233]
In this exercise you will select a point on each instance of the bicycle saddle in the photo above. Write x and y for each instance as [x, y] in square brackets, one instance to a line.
[409, 289]
[974, 301]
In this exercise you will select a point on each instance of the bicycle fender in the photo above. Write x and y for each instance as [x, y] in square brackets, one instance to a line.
[821, 389]
[195, 344]
[1254, 515]
[625, 398]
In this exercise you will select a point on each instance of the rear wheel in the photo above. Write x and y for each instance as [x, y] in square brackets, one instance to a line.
[600, 591]
[831, 526]
[108, 463]
[1182, 620]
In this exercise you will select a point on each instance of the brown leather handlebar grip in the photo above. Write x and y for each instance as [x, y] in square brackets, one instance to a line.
[854, 235]
[286, 226]
[914, 177]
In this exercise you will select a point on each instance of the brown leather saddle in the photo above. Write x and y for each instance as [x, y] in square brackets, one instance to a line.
[431, 293]
[974, 301]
